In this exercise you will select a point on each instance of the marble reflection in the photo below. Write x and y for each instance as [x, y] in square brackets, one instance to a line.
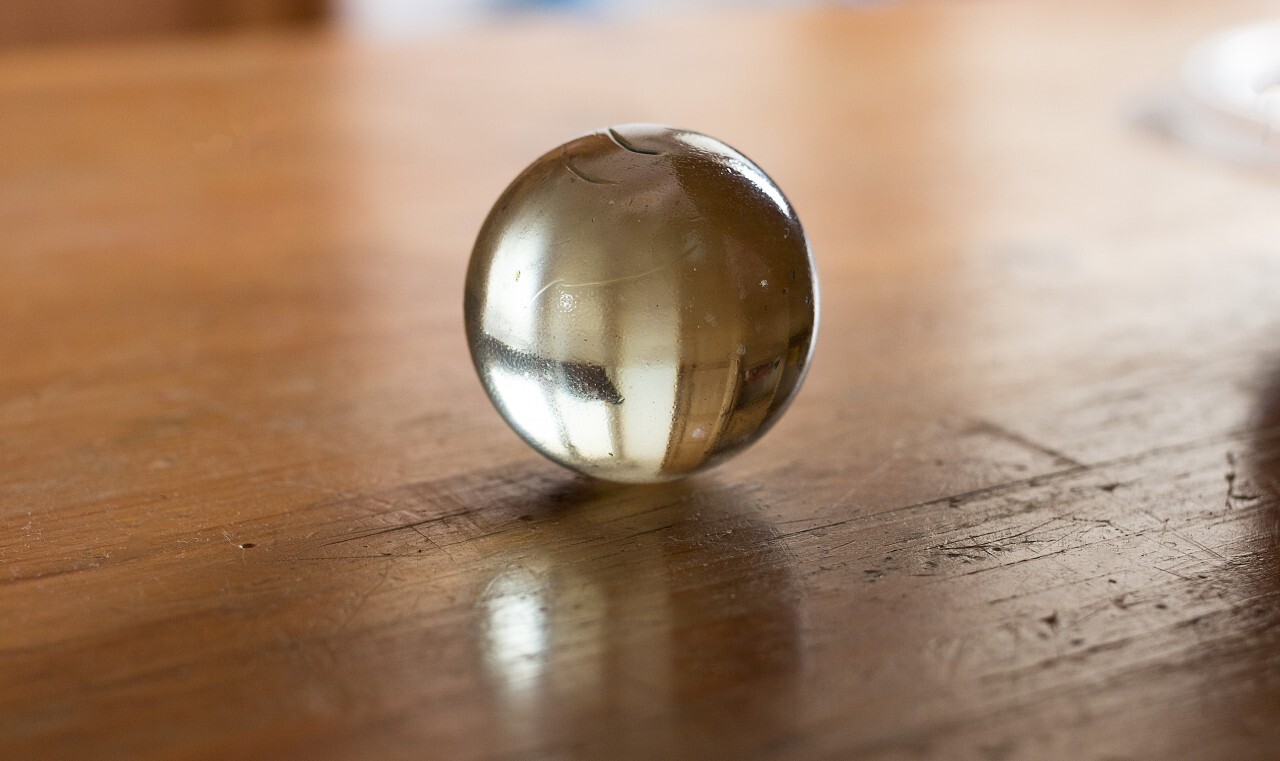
[516, 629]
[633, 622]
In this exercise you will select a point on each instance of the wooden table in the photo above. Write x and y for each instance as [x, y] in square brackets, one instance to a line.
[254, 503]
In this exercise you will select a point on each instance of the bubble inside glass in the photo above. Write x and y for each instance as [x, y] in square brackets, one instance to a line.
[641, 303]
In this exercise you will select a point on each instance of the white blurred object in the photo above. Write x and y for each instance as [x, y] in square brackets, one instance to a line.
[407, 18]
[1237, 74]
[381, 18]
[1228, 100]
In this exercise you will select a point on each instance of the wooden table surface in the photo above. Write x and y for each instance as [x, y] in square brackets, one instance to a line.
[254, 503]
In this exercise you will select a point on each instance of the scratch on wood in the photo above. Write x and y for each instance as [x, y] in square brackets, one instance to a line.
[1024, 442]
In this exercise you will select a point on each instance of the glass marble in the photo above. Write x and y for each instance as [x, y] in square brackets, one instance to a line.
[641, 303]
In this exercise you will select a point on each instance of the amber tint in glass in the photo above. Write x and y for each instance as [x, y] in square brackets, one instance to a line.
[641, 303]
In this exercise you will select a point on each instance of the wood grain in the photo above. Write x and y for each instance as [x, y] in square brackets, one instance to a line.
[253, 502]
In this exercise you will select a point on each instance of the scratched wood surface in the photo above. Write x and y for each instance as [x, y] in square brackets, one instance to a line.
[254, 504]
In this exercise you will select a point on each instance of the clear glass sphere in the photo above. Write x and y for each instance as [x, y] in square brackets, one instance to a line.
[641, 303]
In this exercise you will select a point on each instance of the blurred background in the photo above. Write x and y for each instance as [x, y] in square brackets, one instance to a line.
[1227, 103]
[28, 22]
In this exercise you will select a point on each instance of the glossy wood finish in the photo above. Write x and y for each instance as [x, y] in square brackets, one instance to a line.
[253, 502]
[26, 22]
